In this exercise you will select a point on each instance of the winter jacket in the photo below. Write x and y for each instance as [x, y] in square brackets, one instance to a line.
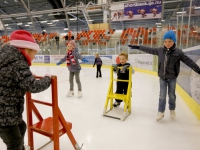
[15, 80]
[97, 61]
[169, 61]
[71, 67]
[123, 75]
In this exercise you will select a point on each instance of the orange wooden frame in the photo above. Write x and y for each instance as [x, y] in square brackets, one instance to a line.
[52, 127]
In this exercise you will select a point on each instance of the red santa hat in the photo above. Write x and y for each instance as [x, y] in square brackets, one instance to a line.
[23, 39]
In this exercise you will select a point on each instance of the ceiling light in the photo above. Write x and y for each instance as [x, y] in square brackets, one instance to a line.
[43, 21]
[158, 23]
[158, 26]
[197, 8]
[38, 16]
[5, 25]
[55, 20]
[73, 12]
[180, 12]
[90, 20]
[21, 17]
[163, 20]
[19, 23]
[49, 23]
[30, 23]
[7, 19]
[72, 19]
[65, 28]
[8, 28]
[5, 2]
[53, 14]
[194, 31]
[27, 25]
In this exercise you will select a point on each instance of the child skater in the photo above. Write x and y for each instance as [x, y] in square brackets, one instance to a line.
[17, 79]
[98, 62]
[73, 66]
[169, 58]
[122, 74]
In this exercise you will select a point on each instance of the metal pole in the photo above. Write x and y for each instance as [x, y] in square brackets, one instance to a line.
[188, 29]
[181, 29]
[177, 30]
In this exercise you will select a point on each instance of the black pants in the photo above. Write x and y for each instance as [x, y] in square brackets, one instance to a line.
[121, 89]
[13, 136]
[98, 71]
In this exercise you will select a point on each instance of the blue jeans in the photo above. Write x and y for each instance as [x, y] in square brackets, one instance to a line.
[13, 136]
[171, 84]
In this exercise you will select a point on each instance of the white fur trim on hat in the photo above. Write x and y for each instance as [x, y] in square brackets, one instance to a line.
[25, 44]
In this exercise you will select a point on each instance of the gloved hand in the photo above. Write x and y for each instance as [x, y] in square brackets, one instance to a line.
[134, 46]
[114, 67]
[58, 63]
[123, 69]
[84, 60]
[199, 72]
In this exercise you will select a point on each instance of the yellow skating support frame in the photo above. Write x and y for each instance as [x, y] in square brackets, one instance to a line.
[111, 96]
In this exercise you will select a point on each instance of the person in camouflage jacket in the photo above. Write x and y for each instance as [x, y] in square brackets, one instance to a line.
[15, 80]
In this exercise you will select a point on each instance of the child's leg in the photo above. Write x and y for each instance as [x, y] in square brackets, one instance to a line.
[162, 96]
[78, 80]
[99, 70]
[71, 82]
[12, 137]
[119, 90]
[171, 93]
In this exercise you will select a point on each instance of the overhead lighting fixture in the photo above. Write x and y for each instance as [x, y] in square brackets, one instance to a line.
[30, 23]
[27, 25]
[21, 17]
[73, 12]
[73, 19]
[65, 28]
[19, 23]
[53, 14]
[158, 26]
[163, 20]
[194, 31]
[90, 20]
[49, 23]
[55, 20]
[180, 12]
[158, 23]
[5, 25]
[43, 21]
[38, 16]
[8, 28]
[7, 19]
[196, 7]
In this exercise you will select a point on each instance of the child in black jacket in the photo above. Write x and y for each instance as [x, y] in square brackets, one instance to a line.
[122, 74]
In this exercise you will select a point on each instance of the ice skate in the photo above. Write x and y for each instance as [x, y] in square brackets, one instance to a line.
[159, 116]
[79, 94]
[172, 114]
[70, 93]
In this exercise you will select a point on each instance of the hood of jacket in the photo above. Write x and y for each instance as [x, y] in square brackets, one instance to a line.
[10, 54]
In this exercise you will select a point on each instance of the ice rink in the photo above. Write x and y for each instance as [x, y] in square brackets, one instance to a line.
[140, 131]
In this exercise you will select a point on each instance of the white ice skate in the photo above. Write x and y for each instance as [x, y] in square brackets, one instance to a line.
[172, 114]
[159, 116]
[79, 94]
[70, 93]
